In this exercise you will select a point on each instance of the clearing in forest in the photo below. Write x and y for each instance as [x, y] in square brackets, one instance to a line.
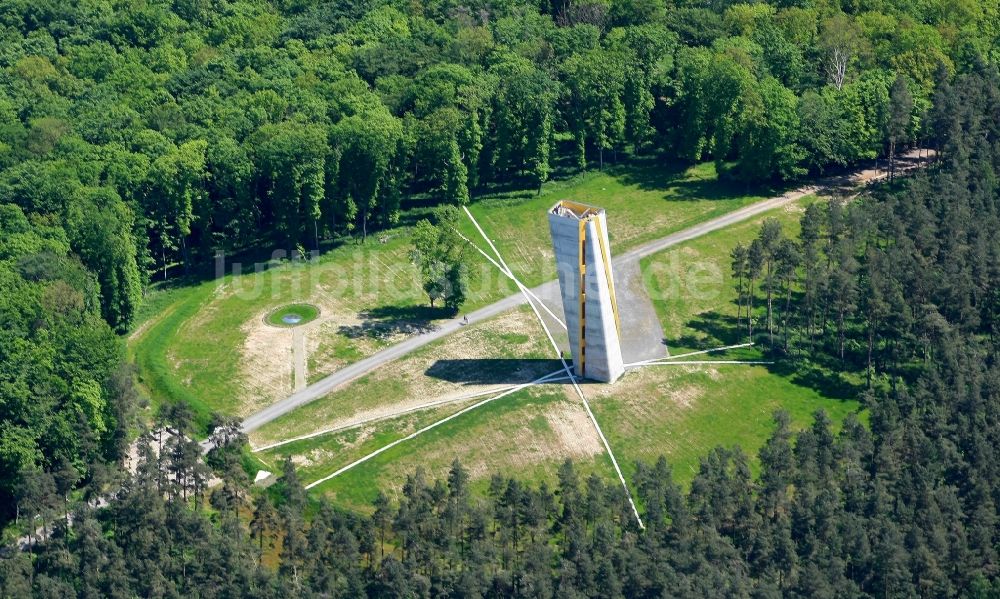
[215, 350]
[677, 411]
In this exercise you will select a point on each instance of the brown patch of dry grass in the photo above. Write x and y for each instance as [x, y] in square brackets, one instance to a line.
[405, 384]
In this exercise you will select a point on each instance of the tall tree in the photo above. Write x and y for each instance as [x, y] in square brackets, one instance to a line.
[595, 106]
[177, 185]
[523, 116]
[102, 233]
[291, 162]
[841, 40]
[368, 143]
[769, 141]
[900, 120]
[439, 252]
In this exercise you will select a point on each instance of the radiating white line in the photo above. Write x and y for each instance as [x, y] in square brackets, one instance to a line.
[487, 238]
[506, 272]
[694, 353]
[690, 362]
[433, 425]
[410, 410]
[555, 347]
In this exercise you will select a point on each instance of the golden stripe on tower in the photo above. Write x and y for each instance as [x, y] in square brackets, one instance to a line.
[607, 275]
[583, 296]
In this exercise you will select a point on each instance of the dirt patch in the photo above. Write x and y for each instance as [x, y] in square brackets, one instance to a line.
[794, 208]
[516, 442]
[299, 358]
[515, 332]
[301, 461]
[682, 397]
[267, 366]
[574, 430]
[647, 394]
[712, 373]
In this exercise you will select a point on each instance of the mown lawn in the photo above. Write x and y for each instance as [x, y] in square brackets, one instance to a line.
[680, 412]
[512, 436]
[503, 351]
[195, 348]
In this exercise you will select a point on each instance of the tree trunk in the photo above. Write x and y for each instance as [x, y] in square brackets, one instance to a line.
[824, 318]
[739, 302]
[840, 333]
[871, 344]
[810, 318]
[770, 327]
[784, 314]
[892, 160]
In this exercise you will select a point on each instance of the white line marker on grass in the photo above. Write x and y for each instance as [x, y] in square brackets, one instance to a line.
[506, 272]
[691, 362]
[693, 353]
[431, 426]
[364, 421]
[586, 404]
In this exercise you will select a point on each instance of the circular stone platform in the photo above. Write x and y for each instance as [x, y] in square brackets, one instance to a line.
[292, 315]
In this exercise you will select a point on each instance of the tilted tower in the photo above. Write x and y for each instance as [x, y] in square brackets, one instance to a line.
[583, 259]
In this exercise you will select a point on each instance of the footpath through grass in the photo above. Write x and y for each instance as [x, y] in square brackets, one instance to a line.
[205, 347]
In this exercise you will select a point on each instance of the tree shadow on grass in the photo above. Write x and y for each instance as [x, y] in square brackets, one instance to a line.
[388, 321]
[827, 382]
[652, 174]
[820, 372]
[717, 330]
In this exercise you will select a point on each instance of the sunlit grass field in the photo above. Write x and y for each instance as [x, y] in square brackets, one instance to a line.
[203, 345]
[677, 411]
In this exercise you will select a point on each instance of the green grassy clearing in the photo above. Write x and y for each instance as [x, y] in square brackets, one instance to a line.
[680, 412]
[692, 287]
[484, 439]
[370, 295]
[479, 357]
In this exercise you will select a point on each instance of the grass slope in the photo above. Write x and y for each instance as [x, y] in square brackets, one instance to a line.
[503, 351]
[677, 411]
[370, 296]
[514, 436]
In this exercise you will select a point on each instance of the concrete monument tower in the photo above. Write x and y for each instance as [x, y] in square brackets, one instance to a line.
[583, 259]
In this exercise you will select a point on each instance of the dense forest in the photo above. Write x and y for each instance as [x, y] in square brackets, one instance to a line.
[182, 128]
[139, 137]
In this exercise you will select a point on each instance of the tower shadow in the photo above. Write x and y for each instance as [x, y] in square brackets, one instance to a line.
[493, 371]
